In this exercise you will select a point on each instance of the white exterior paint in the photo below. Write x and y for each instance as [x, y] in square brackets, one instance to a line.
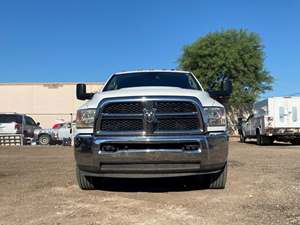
[283, 111]
[203, 96]
[273, 113]
[8, 128]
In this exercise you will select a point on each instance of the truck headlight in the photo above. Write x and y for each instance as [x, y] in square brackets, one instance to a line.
[216, 116]
[85, 118]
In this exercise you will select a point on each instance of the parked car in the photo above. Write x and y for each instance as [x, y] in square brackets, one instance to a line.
[60, 135]
[275, 118]
[15, 123]
[57, 125]
[153, 123]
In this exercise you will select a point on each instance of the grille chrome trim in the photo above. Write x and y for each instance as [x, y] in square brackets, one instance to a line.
[148, 102]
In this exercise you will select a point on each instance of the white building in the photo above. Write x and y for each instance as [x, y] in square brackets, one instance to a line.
[47, 103]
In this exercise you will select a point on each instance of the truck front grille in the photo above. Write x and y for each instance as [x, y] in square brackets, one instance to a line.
[175, 107]
[122, 125]
[161, 107]
[179, 124]
[124, 108]
[149, 116]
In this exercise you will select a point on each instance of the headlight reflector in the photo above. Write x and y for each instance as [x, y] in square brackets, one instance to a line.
[216, 116]
[85, 118]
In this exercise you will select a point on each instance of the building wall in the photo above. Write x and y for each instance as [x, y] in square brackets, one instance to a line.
[47, 103]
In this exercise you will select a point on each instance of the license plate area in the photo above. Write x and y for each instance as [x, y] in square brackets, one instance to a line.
[149, 167]
[185, 146]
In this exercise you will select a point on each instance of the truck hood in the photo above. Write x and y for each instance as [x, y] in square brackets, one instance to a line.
[203, 96]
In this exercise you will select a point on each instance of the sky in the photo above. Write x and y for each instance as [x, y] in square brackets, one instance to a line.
[86, 41]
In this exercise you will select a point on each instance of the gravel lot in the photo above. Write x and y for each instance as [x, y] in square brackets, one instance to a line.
[37, 186]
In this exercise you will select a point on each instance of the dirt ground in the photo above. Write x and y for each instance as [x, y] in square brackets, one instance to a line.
[37, 186]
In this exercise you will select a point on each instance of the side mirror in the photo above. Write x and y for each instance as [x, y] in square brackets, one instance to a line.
[81, 92]
[38, 124]
[227, 88]
[224, 91]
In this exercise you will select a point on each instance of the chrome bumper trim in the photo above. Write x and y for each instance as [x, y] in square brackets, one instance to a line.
[210, 156]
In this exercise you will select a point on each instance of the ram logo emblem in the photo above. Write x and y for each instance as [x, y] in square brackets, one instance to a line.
[150, 115]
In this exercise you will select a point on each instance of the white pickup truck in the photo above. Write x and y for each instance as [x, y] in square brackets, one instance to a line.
[62, 134]
[153, 123]
[275, 118]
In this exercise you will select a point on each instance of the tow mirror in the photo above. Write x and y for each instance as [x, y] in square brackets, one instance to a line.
[227, 88]
[81, 93]
[224, 91]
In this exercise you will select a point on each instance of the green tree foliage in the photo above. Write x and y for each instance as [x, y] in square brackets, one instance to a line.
[236, 53]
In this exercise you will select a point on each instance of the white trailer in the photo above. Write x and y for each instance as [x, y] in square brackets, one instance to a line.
[275, 118]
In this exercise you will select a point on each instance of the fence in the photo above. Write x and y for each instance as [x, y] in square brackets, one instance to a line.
[11, 139]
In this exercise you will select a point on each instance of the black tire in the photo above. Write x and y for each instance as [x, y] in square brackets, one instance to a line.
[263, 140]
[218, 181]
[67, 142]
[242, 138]
[44, 139]
[295, 142]
[258, 139]
[268, 140]
[84, 182]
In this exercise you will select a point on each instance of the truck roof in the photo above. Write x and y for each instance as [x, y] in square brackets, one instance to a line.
[154, 70]
[276, 97]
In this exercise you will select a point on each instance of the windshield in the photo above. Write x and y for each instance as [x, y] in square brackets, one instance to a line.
[141, 79]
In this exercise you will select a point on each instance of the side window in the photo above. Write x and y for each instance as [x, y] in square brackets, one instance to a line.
[281, 114]
[66, 125]
[112, 85]
[29, 121]
[294, 114]
[192, 82]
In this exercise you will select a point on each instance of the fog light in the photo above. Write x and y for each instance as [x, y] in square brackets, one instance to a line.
[191, 147]
[109, 148]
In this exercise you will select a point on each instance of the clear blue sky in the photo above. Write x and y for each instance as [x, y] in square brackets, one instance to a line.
[71, 40]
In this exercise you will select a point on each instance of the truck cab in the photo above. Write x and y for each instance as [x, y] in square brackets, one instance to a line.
[154, 123]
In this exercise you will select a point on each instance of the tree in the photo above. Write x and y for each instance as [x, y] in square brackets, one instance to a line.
[236, 53]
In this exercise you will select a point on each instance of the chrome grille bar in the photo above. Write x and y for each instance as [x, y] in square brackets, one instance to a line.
[186, 117]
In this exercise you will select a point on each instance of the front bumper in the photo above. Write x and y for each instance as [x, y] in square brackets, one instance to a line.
[291, 133]
[210, 157]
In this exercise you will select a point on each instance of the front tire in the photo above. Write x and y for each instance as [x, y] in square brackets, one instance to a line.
[258, 139]
[44, 139]
[84, 182]
[295, 142]
[242, 138]
[263, 140]
[218, 181]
